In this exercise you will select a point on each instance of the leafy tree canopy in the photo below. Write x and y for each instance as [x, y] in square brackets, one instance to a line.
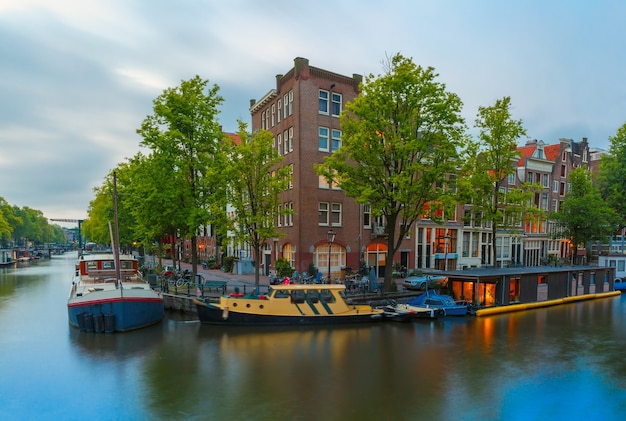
[399, 144]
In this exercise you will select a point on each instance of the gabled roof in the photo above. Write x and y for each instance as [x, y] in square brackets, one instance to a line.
[551, 152]
[234, 137]
[527, 152]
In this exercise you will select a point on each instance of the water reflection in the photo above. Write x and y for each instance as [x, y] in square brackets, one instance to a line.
[557, 363]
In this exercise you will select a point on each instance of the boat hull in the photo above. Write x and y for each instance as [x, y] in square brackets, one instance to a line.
[445, 304]
[116, 313]
[209, 313]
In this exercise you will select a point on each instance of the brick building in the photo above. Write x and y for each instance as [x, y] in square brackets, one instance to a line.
[302, 112]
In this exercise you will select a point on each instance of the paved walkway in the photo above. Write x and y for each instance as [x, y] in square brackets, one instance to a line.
[243, 282]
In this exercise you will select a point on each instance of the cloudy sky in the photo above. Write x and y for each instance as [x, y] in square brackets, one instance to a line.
[77, 77]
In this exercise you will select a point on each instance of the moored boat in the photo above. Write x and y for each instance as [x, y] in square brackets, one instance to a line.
[404, 312]
[288, 304]
[432, 299]
[101, 302]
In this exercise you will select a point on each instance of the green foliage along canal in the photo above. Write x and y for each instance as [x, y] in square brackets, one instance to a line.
[562, 362]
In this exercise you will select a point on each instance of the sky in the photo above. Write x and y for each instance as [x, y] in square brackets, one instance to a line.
[78, 77]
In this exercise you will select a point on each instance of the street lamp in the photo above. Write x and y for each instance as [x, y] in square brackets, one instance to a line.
[445, 252]
[331, 240]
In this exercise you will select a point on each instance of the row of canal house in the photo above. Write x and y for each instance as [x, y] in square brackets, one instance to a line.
[332, 232]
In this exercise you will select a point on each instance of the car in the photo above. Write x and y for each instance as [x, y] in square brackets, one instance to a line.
[420, 283]
[619, 284]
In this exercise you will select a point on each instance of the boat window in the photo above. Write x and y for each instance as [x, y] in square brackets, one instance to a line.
[298, 297]
[127, 265]
[92, 266]
[281, 294]
[108, 264]
[313, 296]
[433, 302]
[327, 296]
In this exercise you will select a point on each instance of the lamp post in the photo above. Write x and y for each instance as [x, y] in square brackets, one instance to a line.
[331, 240]
[445, 252]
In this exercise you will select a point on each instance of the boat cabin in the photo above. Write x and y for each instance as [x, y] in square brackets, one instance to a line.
[488, 287]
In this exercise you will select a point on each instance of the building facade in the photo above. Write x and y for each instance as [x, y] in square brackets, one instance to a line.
[302, 112]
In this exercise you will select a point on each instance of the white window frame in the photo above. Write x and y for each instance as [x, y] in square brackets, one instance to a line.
[285, 109]
[323, 102]
[367, 216]
[336, 102]
[323, 209]
[279, 110]
[285, 142]
[336, 212]
[335, 138]
[320, 136]
[291, 102]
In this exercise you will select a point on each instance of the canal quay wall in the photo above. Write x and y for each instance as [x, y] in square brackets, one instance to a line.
[181, 299]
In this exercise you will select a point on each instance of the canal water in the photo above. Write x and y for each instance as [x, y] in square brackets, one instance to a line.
[566, 362]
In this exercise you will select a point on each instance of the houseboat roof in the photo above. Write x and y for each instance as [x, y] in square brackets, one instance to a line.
[479, 273]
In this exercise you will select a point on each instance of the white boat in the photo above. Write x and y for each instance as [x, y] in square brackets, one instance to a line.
[100, 302]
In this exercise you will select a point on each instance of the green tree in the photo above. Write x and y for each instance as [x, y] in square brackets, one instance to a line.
[256, 179]
[487, 163]
[6, 219]
[584, 215]
[613, 173]
[183, 131]
[399, 144]
[101, 212]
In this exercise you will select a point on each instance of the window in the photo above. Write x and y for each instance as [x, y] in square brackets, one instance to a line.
[263, 120]
[323, 102]
[324, 184]
[554, 205]
[555, 186]
[285, 110]
[280, 143]
[267, 119]
[279, 110]
[530, 178]
[286, 144]
[336, 140]
[511, 180]
[544, 201]
[280, 220]
[367, 216]
[336, 104]
[286, 215]
[290, 139]
[323, 213]
[290, 102]
[323, 139]
[291, 214]
[563, 170]
[291, 176]
[273, 115]
[335, 216]
[546, 180]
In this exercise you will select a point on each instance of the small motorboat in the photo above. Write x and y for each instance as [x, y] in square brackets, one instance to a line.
[619, 284]
[432, 299]
[403, 312]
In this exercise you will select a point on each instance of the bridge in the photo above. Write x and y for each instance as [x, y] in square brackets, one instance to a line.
[75, 221]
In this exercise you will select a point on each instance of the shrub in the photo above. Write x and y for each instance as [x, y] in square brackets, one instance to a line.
[283, 268]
